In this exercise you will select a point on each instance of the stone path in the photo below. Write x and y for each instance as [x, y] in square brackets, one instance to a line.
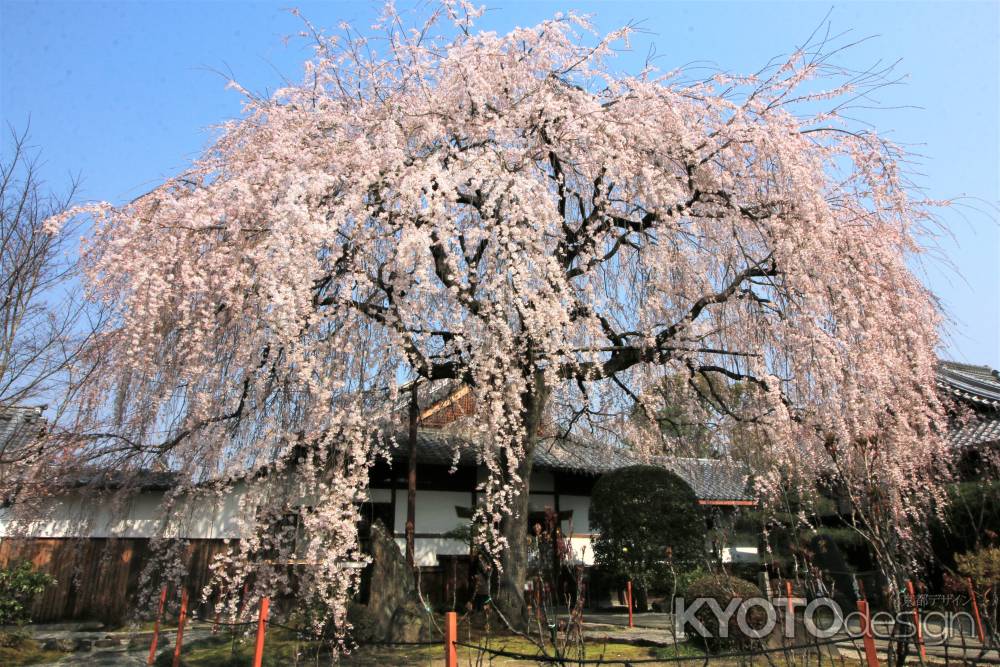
[99, 647]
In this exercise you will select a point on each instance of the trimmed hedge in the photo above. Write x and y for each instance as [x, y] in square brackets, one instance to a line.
[723, 589]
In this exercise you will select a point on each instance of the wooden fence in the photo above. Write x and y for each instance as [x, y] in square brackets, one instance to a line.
[97, 579]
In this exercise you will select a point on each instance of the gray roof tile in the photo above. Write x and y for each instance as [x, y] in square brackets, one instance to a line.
[710, 479]
[979, 385]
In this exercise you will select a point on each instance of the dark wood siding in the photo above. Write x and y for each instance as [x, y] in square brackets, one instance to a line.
[97, 579]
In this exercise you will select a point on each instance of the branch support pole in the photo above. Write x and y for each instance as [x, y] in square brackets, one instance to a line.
[180, 626]
[975, 611]
[450, 637]
[628, 595]
[871, 657]
[258, 653]
[916, 618]
[156, 627]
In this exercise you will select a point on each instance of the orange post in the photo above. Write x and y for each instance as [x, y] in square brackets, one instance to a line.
[871, 658]
[265, 608]
[156, 627]
[450, 637]
[916, 619]
[180, 626]
[975, 612]
[788, 598]
[628, 594]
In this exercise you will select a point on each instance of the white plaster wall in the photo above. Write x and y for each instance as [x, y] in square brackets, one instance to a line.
[140, 516]
[539, 501]
[583, 550]
[580, 505]
[435, 510]
[427, 549]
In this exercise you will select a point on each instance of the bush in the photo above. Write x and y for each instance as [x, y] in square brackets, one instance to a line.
[723, 589]
[645, 516]
[983, 566]
[18, 587]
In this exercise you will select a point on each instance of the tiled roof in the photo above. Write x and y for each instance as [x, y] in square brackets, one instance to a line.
[710, 479]
[19, 426]
[976, 432]
[436, 446]
[979, 385]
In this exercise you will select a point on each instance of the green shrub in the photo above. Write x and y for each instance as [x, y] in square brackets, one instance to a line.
[18, 587]
[982, 566]
[645, 517]
[723, 588]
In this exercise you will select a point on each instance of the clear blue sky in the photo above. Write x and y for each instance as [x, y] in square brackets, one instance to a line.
[123, 93]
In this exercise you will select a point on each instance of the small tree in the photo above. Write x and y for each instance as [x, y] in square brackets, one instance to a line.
[647, 518]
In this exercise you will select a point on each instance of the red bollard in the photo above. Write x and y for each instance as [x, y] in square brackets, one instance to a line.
[450, 637]
[628, 594]
[180, 626]
[871, 657]
[258, 654]
[156, 627]
[916, 619]
[788, 598]
[975, 612]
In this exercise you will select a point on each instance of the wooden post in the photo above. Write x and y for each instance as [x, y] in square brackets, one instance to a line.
[258, 654]
[411, 479]
[628, 594]
[975, 612]
[180, 626]
[871, 657]
[790, 608]
[916, 619]
[450, 637]
[156, 627]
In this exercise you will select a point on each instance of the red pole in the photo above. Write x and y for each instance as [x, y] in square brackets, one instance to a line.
[916, 619]
[156, 627]
[788, 598]
[180, 626]
[450, 637]
[628, 594]
[866, 630]
[975, 612]
[265, 607]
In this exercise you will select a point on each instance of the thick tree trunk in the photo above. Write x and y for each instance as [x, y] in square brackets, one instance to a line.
[411, 479]
[509, 597]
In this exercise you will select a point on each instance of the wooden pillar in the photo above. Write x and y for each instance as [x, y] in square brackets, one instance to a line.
[411, 477]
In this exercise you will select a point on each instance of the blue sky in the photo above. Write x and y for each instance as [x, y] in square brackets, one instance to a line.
[125, 93]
